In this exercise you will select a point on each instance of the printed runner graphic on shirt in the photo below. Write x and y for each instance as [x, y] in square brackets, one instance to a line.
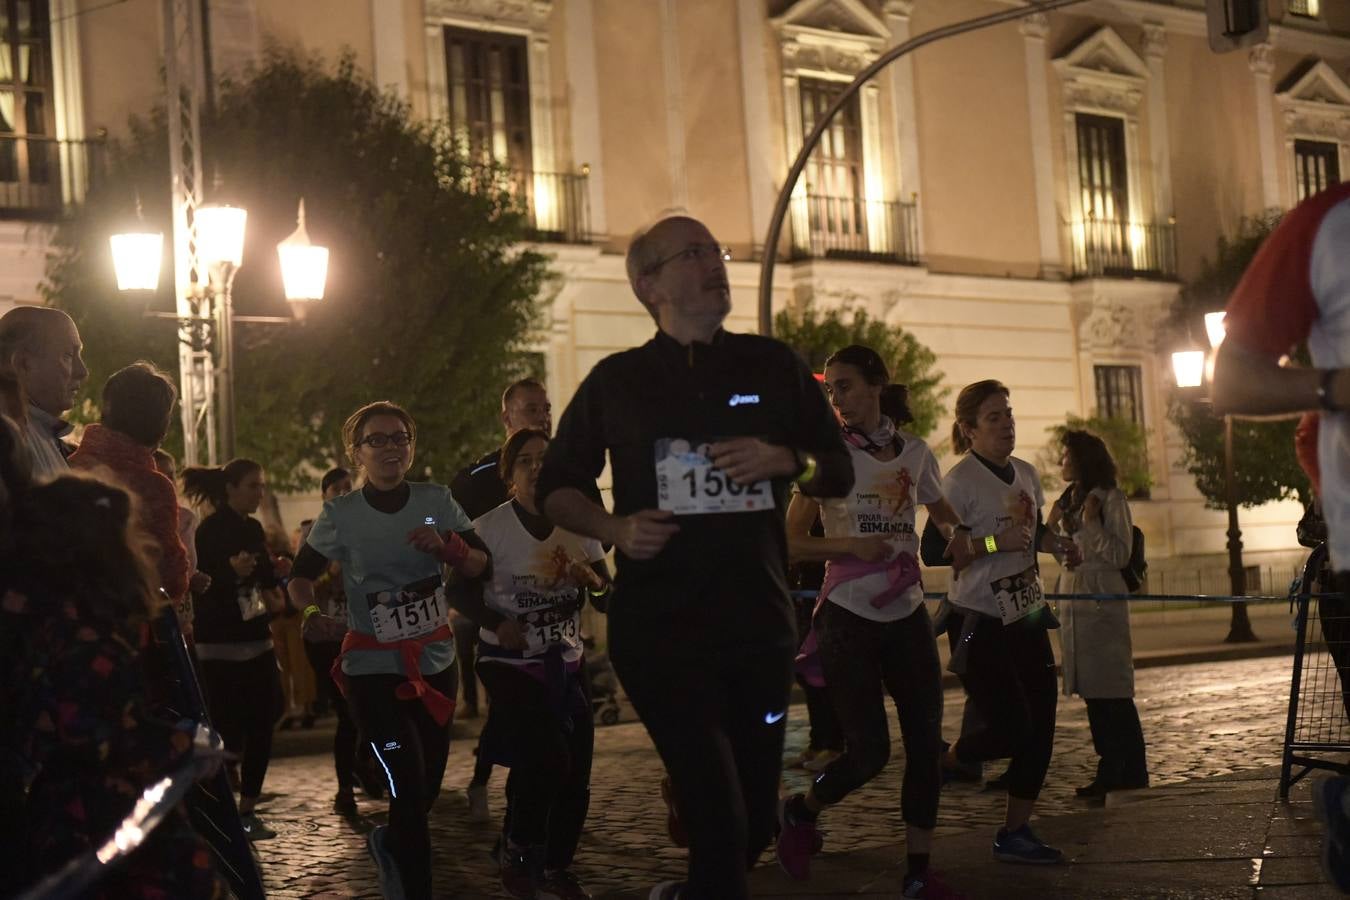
[687, 482]
[410, 612]
[547, 599]
[881, 504]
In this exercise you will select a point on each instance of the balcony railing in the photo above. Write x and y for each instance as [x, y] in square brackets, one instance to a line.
[557, 205]
[1106, 248]
[40, 177]
[854, 228]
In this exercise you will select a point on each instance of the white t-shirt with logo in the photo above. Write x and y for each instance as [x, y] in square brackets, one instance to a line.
[1003, 585]
[883, 503]
[532, 584]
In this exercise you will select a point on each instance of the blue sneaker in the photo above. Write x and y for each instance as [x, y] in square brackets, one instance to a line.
[1328, 799]
[1021, 846]
[386, 870]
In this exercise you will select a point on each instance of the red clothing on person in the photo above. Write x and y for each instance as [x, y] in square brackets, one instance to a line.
[1305, 448]
[133, 465]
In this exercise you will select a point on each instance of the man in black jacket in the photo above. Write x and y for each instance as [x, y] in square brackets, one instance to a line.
[706, 431]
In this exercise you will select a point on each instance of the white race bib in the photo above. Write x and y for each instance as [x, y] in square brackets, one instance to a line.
[251, 603]
[415, 610]
[1018, 596]
[687, 483]
[557, 625]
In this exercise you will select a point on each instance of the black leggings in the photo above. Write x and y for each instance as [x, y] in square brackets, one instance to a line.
[245, 702]
[717, 719]
[1010, 676]
[550, 759]
[859, 657]
[412, 750]
[346, 742]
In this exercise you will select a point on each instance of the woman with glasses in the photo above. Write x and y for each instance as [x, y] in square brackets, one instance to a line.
[393, 538]
[530, 661]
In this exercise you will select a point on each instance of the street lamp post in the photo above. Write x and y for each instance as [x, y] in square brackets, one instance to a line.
[1190, 368]
[220, 248]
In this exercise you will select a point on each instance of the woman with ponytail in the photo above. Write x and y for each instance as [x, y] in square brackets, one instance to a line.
[1001, 645]
[233, 641]
[870, 623]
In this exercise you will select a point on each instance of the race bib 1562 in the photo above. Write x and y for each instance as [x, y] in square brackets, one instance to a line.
[687, 483]
[1018, 596]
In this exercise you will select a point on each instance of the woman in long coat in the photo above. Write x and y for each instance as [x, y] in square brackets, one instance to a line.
[1097, 656]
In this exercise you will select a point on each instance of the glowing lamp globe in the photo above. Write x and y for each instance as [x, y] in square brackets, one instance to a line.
[304, 267]
[136, 260]
[220, 234]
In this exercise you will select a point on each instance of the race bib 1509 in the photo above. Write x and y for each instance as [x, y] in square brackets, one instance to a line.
[1018, 596]
[410, 612]
[687, 483]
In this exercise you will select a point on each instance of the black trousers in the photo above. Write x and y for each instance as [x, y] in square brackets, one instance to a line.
[825, 731]
[1010, 677]
[550, 758]
[860, 658]
[1118, 738]
[245, 701]
[347, 744]
[717, 715]
[412, 749]
[466, 645]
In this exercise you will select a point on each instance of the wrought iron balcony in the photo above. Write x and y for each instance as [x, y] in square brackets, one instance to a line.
[854, 228]
[1107, 248]
[557, 205]
[40, 177]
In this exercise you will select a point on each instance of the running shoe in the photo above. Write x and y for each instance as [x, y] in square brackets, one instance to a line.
[386, 870]
[255, 829]
[928, 886]
[1022, 846]
[674, 827]
[478, 802]
[522, 872]
[561, 884]
[666, 890]
[797, 842]
[820, 760]
[344, 802]
[1328, 802]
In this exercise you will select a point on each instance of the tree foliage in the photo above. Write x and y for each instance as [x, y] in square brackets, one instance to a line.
[1264, 465]
[815, 334]
[1126, 440]
[430, 297]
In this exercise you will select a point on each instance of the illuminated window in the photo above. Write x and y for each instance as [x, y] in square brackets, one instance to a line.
[1317, 166]
[1308, 8]
[488, 81]
[27, 153]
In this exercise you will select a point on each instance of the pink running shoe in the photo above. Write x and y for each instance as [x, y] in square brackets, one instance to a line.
[797, 843]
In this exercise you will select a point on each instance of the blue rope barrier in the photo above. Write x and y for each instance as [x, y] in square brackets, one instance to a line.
[1174, 598]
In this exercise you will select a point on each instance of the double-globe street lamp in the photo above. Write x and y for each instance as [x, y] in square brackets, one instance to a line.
[220, 248]
[1192, 368]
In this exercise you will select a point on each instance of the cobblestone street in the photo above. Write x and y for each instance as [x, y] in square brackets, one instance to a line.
[1200, 720]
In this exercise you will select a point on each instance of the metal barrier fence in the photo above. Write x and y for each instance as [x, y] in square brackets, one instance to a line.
[1319, 696]
[210, 802]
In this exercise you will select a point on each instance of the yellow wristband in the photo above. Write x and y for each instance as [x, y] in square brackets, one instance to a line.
[990, 545]
[309, 611]
[808, 471]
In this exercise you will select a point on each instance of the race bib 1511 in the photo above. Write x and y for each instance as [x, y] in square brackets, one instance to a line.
[687, 483]
[410, 612]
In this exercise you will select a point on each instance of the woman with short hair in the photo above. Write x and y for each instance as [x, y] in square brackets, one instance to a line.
[1003, 654]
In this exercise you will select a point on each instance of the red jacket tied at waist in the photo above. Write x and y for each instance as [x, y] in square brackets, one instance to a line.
[416, 687]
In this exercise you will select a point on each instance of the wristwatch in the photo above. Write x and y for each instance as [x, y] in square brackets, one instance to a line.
[1324, 389]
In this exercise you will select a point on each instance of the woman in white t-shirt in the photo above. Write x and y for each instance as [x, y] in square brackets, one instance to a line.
[1003, 652]
[873, 632]
[530, 662]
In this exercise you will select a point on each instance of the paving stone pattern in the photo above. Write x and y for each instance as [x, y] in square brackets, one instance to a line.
[1200, 721]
